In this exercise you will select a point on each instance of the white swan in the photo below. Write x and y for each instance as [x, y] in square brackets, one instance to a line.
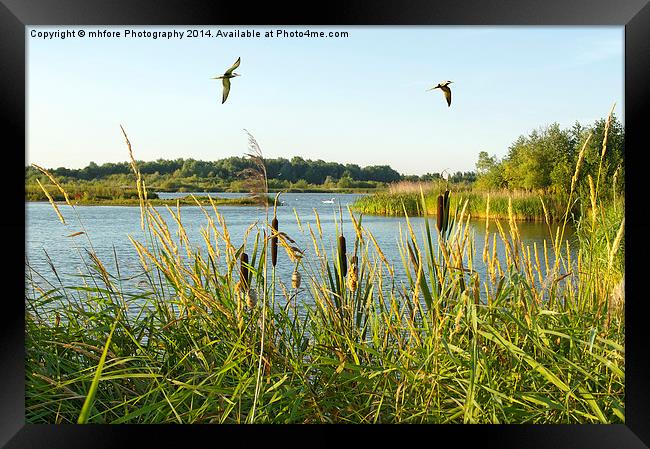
[328, 201]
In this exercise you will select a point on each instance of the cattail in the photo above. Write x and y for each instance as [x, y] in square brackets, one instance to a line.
[251, 298]
[441, 212]
[244, 272]
[274, 241]
[343, 261]
[295, 279]
[352, 275]
[57, 319]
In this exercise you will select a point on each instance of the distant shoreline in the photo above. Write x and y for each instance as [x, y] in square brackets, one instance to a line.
[289, 190]
[186, 200]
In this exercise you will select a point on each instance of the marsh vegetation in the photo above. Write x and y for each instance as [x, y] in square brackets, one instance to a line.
[217, 335]
[536, 176]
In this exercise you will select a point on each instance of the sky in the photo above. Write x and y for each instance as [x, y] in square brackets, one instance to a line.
[358, 99]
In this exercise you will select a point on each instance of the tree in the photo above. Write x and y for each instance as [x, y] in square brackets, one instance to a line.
[485, 163]
[541, 160]
[345, 182]
[613, 160]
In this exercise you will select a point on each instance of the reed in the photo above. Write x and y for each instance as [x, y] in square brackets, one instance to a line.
[81, 195]
[526, 206]
[530, 341]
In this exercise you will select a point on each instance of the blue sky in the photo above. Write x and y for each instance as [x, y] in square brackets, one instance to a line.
[357, 99]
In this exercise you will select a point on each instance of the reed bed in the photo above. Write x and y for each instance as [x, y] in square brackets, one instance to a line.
[217, 336]
[526, 206]
[115, 196]
[34, 192]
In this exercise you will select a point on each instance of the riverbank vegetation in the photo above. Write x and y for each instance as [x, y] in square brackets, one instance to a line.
[108, 195]
[215, 335]
[224, 175]
[536, 175]
[522, 205]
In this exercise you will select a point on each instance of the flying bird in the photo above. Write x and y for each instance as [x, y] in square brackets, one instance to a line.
[230, 73]
[444, 86]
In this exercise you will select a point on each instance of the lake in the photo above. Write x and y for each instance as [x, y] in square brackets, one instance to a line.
[108, 228]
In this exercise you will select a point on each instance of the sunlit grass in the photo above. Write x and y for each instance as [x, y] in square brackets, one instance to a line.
[537, 338]
[406, 197]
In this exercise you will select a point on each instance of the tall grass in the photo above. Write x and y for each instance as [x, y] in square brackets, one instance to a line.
[34, 192]
[535, 339]
[406, 197]
[118, 196]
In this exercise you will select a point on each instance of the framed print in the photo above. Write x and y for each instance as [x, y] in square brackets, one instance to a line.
[328, 224]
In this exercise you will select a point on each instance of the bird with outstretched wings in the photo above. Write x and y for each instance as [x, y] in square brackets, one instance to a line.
[230, 73]
[444, 86]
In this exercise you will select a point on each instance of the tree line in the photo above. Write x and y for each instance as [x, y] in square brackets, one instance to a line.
[546, 159]
[280, 171]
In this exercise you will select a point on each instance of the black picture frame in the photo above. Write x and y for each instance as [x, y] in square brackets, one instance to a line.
[634, 15]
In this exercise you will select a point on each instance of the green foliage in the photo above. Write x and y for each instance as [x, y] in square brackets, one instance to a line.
[525, 205]
[345, 182]
[525, 342]
[490, 173]
[83, 191]
[436, 351]
[546, 159]
[218, 174]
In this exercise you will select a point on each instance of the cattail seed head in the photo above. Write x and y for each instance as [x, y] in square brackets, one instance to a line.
[295, 280]
[343, 261]
[274, 241]
[251, 298]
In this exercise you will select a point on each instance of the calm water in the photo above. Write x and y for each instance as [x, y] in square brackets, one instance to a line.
[109, 227]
